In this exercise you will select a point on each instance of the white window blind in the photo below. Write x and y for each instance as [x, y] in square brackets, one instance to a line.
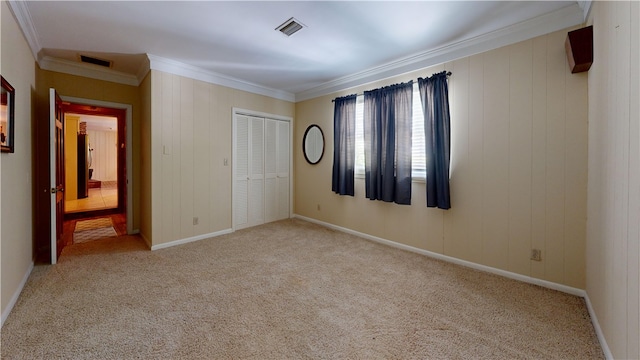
[418, 161]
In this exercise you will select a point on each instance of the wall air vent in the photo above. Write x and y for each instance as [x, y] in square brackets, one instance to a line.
[95, 61]
[290, 27]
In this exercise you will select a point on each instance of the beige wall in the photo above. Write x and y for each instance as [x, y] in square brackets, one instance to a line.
[104, 155]
[17, 68]
[519, 165]
[190, 136]
[71, 157]
[613, 235]
[86, 88]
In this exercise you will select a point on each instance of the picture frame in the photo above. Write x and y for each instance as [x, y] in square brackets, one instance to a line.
[7, 111]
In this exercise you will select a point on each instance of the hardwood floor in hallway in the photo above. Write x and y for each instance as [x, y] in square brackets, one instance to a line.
[119, 222]
[103, 197]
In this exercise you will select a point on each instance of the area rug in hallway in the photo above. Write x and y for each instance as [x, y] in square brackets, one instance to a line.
[94, 229]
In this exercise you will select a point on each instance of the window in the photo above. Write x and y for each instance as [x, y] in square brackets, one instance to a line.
[418, 160]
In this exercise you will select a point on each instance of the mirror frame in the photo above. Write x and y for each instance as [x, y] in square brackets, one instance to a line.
[304, 143]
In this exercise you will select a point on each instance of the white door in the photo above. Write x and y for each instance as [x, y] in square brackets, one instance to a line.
[270, 170]
[262, 157]
[248, 170]
[56, 166]
[283, 169]
[276, 164]
[241, 171]
[256, 171]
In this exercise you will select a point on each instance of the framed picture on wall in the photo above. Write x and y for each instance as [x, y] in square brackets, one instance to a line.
[7, 109]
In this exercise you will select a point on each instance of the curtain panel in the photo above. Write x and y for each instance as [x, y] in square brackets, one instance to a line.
[387, 143]
[434, 94]
[344, 145]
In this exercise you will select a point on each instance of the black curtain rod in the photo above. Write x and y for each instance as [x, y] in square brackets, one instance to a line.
[358, 94]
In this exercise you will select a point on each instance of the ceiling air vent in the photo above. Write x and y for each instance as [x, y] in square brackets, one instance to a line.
[95, 61]
[290, 27]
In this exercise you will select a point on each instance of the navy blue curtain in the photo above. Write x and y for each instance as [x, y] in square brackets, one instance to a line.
[387, 143]
[434, 93]
[344, 145]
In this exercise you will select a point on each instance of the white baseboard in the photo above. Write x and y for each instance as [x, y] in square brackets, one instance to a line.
[190, 239]
[469, 264]
[16, 295]
[596, 325]
[507, 274]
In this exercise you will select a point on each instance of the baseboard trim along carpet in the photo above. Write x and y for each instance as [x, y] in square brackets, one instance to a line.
[508, 274]
[485, 268]
[596, 326]
[16, 295]
[188, 240]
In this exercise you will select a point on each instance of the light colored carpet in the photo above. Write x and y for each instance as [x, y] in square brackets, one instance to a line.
[285, 290]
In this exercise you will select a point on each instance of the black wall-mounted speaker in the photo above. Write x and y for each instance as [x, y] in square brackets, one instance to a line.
[579, 47]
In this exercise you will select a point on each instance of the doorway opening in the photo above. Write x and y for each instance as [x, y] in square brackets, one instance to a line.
[95, 161]
[51, 233]
[91, 163]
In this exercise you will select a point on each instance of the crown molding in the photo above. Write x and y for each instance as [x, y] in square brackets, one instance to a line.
[193, 72]
[561, 19]
[23, 17]
[585, 5]
[144, 69]
[86, 70]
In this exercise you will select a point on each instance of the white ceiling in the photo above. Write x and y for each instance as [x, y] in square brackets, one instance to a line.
[343, 44]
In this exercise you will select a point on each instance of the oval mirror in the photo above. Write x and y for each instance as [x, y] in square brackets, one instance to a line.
[313, 144]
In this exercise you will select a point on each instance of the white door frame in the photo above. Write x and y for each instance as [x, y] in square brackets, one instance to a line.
[52, 174]
[239, 111]
[129, 145]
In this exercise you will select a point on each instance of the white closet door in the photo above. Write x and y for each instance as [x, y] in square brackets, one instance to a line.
[248, 172]
[283, 169]
[256, 171]
[241, 172]
[270, 170]
[261, 170]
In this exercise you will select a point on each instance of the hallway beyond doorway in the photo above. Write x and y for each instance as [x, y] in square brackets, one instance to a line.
[100, 198]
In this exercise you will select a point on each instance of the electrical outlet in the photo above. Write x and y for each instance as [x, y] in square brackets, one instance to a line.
[226, 162]
[195, 220]
[318, 207]
[536, 255]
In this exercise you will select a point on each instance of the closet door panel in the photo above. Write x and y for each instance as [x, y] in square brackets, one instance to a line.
[241, 172]
[261, 170]
[270, 170]
[283, 169]
[256, 202]
[256, 168]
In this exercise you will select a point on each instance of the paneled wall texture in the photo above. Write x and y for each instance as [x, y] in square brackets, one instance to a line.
[613, 240]
[104, 157]
[519, 166]
[189, 139]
